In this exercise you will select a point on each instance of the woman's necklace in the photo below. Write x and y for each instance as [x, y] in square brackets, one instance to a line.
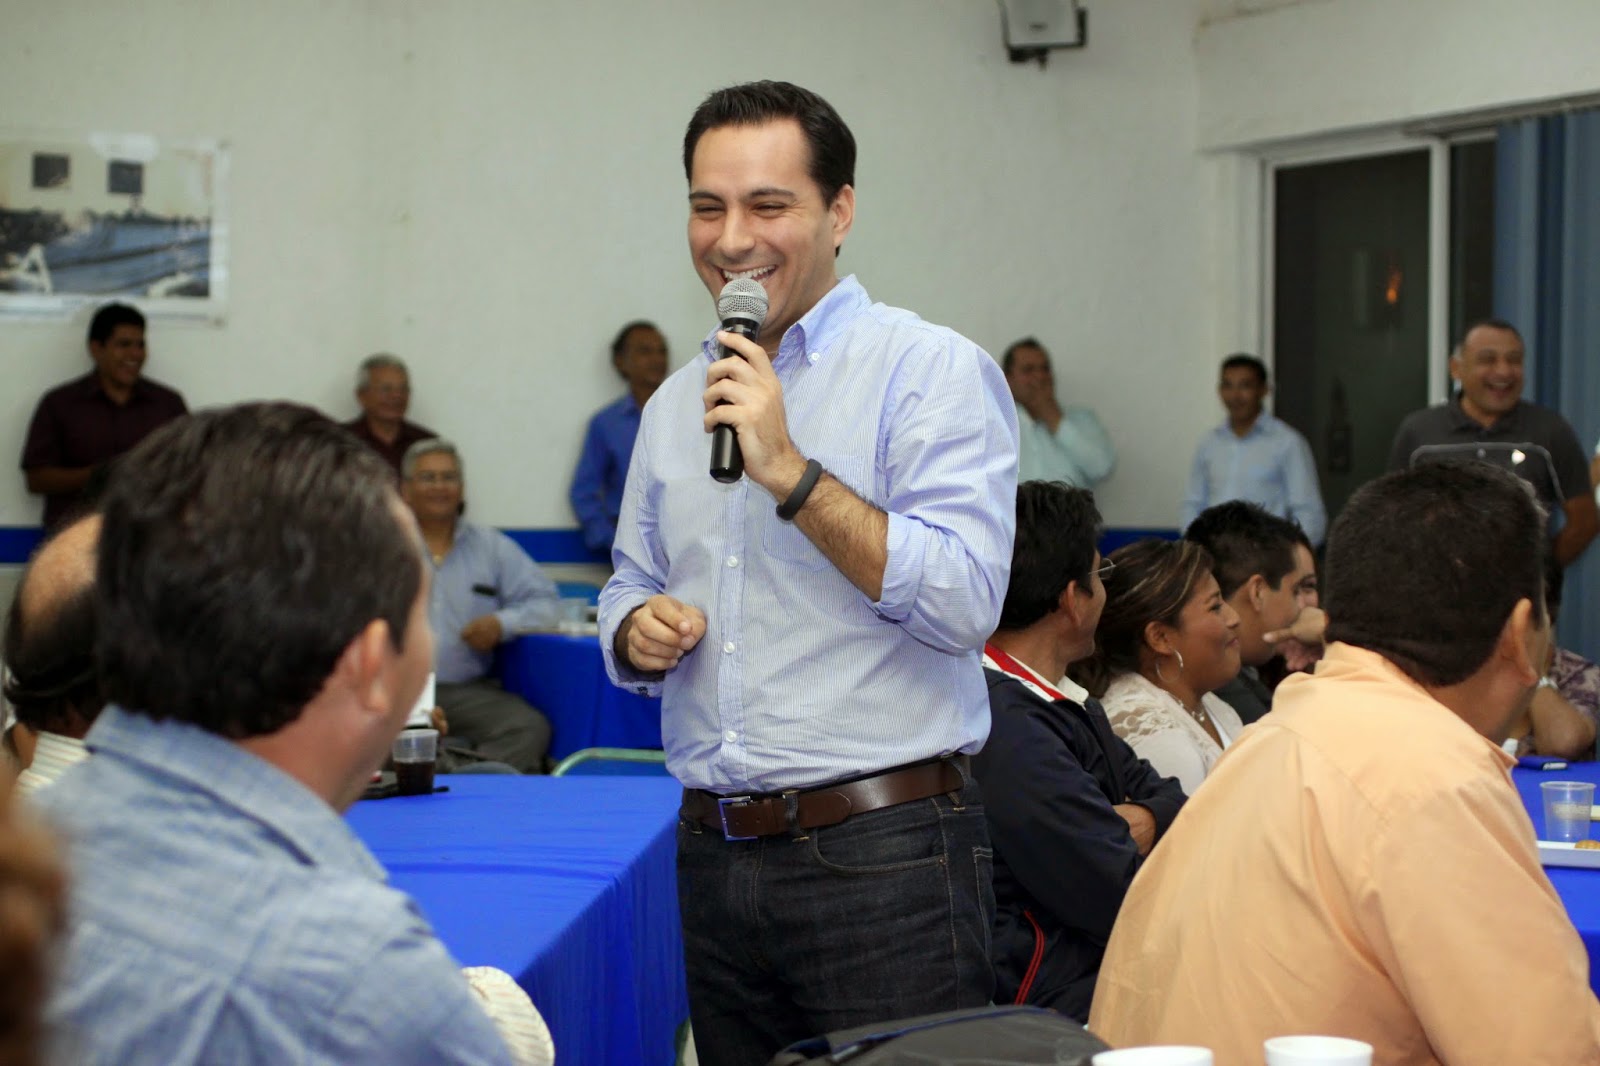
[1198, 713]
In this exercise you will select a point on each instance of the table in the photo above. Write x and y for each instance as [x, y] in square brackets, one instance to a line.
[1579, 889]
[568, 884]
[564, 676]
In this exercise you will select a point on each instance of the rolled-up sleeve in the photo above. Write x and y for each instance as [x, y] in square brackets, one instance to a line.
[951, 467]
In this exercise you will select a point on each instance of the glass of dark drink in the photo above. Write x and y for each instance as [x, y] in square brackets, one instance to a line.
[416, 754]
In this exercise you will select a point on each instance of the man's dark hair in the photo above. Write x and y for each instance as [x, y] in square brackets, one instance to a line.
[108, 318]
[1425, 565]
[1245, 360]
[620, 342]
[1487, 323]
[1010, 355]
[1245, 539]
[49, 658]
[1057, 526]
[241, 551]
[832, 147]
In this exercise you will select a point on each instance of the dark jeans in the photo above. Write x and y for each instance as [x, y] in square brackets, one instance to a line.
[884, 916]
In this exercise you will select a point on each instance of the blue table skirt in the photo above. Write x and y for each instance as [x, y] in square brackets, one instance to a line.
[1579, 889]
[568, 884]
[565, 677]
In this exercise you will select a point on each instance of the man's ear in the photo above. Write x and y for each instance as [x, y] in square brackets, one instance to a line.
[360, 669]
[1255, 593]
[1068, 602]
[1524, 642]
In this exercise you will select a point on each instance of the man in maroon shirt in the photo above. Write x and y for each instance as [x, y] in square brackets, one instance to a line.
[79, 427]
[383, 389]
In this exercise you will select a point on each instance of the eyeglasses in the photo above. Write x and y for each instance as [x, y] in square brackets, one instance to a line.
[1106, 567]
[431, 477]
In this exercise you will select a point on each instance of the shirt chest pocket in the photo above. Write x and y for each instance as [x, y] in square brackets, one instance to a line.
[785, 542]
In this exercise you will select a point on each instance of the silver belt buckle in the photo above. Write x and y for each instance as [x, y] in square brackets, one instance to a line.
[723, 803]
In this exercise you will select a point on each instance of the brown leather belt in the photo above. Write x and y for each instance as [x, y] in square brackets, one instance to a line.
[752, 816]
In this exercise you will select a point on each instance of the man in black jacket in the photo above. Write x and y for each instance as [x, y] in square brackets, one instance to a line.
[1072, 810]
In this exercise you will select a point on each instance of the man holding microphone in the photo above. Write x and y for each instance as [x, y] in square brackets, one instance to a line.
[815, 628]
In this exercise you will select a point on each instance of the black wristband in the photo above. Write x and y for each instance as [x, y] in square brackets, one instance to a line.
[797, 499]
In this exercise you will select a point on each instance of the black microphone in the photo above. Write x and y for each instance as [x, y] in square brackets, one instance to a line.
[742, 308]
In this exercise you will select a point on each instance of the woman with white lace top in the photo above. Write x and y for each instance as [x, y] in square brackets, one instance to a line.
[1165, 640]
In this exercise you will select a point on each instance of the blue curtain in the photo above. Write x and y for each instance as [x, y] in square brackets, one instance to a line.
[1547, 282]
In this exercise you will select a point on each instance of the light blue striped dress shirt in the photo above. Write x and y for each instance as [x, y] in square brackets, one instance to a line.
[1271, 465]
[801, 679]
[222, 913]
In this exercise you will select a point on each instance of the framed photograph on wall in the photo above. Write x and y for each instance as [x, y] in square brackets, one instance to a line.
[87, 218]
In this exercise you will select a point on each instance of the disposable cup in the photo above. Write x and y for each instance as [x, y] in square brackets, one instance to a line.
[1317, 1051]
[415, 753]
[1566, 809]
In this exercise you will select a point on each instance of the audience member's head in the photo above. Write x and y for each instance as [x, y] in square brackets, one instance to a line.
[1262, 564]
[1054, 563]
[259, 578]
[1027, 369]
[1438, 569]
[383, 389]
[639, 353]
[32, 914]
[1164, 618]
[117, 345]
[432, 481]
[50, 634]
[1487, 364]
[1242, 387]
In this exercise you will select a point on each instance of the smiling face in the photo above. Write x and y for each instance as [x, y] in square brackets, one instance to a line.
[1488, 366]
[755, 212]
[433, 490]
[1242, 392]
[1206, 637]
[119, 359]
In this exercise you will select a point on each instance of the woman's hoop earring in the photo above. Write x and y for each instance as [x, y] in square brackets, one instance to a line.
[1179, 654]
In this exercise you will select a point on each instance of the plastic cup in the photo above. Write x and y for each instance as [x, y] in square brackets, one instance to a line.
[1317, 1051]
[574, 614]
[1172, 1055]
[1566, 809]
[416, 754]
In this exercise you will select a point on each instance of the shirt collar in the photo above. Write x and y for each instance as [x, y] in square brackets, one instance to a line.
[1506, 421]
[251, 786]
[1262, 423]
[1065, 689]
[819, 327]
[92, 387]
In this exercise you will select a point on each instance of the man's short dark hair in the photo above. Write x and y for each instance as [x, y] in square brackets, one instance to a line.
[241, 551]
[1010, 355]
[1057, 526]
[49, 658]
[1245, 539]
[1247, 361]
[620, 341]
[1425, 565]
[1487, 323]
[108, 318]
[832, 147]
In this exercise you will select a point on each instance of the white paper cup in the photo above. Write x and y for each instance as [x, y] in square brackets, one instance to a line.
[1155, 1056]
[1317, 1051]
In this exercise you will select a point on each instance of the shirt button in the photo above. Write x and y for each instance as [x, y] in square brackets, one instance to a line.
[728, 647]
[733, 560]
[730, 736]
[813, 357]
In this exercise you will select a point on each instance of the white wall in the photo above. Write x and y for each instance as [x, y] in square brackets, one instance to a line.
[489, 189]
[1275, 71]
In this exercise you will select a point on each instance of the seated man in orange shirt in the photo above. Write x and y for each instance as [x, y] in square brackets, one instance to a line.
[1359, 863]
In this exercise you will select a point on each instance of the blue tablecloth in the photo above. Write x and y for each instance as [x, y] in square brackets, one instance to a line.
[568, 884]
[565, 677]
[1579, 889]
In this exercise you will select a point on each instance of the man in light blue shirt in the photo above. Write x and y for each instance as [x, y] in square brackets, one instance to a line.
[485, 591]
[639, 353]
[1254, 457]
[263, 634]
[815, 627]
[1056, 445]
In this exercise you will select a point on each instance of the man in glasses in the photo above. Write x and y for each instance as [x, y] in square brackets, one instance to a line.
[485, 591]
[1072, 810]
[383, 389]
